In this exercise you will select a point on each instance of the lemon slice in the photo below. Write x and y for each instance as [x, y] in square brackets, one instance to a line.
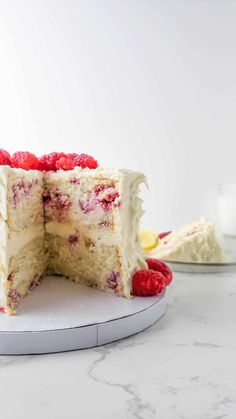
[148, 239]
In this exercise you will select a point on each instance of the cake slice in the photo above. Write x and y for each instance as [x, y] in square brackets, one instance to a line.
[92, 222]
[22, 256]
[195, 242]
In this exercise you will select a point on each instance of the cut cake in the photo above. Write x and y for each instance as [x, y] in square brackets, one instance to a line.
[82, 224]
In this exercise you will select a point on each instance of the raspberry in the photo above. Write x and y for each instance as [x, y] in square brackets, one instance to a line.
[159, 266]
[2, 309]
[25, 160]
[72, 156]
[20, 190]
[147, 282]
[103, 188]
[46, 197]
[75, 181]
[162, 235]
[87, 206]
[84, 160]
[48, 161]
[5, 158]
[107, 195]
[35, 281]
[14, 296]
[73, 238]
[108, 200]
[56, 161]
[100, 188]
[65, 163]
[56, 204]
[112, 280]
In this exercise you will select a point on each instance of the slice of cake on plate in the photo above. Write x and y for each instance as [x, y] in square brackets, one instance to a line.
[195, 242]
[22, 256]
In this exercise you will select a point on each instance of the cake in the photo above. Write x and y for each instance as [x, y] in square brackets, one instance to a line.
[195, 242]
[91, 224]
[22, 255]
[81, 223]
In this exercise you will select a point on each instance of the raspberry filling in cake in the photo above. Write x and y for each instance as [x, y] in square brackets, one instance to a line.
[22, 255]
[91, 223]
[81, 223]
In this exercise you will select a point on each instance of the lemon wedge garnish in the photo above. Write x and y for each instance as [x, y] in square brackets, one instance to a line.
[148, 239]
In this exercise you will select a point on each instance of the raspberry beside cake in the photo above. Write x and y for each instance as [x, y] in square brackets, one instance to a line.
[79, 223]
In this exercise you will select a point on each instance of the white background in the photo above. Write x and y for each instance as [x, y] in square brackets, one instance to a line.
[147, 85]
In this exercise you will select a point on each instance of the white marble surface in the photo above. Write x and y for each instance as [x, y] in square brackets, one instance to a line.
[183, 367]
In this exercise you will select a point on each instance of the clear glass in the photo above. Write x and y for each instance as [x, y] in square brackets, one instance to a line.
[227, 208]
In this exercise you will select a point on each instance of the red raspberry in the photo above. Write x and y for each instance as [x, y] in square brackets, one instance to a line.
[2, 309]
[65, 163]
[48, 161]
[100, 188]
[162, 235]
[112, 280]
[84, 160]
[72, 156]
[73, 238]
[159, 266]
[25, 160]
[5, 158]
[75, 181]
[147, 282]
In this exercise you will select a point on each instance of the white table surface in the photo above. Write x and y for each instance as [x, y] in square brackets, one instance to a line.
[183, 367]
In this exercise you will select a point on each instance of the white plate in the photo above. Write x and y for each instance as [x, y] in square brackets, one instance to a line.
[60, 315]
[202, 268]
[229, 246]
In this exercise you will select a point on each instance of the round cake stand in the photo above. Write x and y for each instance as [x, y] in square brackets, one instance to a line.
[60, 315]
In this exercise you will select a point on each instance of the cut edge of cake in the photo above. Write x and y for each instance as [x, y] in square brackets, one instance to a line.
[92, 216]
[28, 202]
[22, 256]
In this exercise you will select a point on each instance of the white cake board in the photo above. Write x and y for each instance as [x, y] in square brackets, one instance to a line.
[60, 315]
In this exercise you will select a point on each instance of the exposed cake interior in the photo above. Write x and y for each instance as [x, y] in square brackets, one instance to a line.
[82, 224]
[92, 220]
[22, 256]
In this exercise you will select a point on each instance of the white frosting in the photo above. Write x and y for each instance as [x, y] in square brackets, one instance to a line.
[60, 229]
[99, 173]
[101, 236]
[4, 170]
[129, 216]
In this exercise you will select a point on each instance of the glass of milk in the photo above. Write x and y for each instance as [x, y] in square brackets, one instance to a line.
[227, 208]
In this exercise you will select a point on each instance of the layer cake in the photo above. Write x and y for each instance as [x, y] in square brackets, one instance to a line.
[82, 224]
